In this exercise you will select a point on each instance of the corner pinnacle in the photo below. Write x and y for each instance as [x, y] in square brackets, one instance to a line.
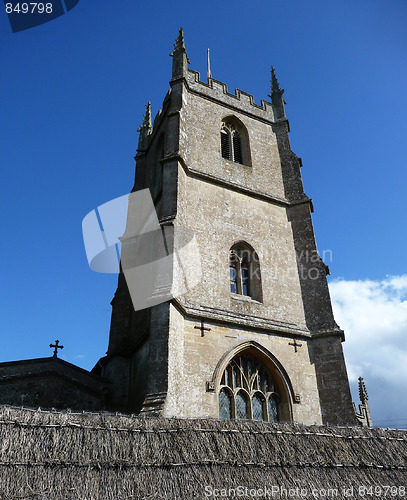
[145, 128]
[275, 87]
[180, 42]
[277, 97]
[180, 59]
[147, 123]
[362, 391]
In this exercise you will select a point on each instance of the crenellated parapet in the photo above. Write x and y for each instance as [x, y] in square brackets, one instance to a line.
[241, 101]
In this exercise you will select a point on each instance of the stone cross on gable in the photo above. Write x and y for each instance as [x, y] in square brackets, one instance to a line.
[57, 346]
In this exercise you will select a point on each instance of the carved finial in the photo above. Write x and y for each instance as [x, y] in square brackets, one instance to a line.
[147, 123]
[364, 416]
[179, 55]
[180, 42]
[145, 129]
[362, 391]
[275, 87]
[277, 96]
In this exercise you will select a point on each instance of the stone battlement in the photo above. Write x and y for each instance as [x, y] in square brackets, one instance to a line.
[216, 90]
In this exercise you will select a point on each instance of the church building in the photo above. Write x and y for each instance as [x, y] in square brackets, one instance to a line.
[230, 344]
[255, 337]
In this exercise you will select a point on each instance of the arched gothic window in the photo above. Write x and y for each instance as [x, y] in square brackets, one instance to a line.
[234, 141]
[244, 271]
[248, 391]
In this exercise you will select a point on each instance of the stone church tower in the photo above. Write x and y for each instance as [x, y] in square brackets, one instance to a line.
[256, 337]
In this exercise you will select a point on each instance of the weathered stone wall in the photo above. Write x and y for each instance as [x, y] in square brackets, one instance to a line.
[220, 217]
[193, 360]
[50, 383]
[334, 393]
[200, 140]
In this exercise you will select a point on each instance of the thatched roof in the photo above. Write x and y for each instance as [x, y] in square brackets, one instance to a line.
[61, 455]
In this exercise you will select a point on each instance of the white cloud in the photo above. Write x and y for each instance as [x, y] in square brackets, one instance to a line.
[374, 317]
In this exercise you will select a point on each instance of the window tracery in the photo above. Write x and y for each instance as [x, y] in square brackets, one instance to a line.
[248, 391]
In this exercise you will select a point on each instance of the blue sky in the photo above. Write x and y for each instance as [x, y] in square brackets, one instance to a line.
[72, 95]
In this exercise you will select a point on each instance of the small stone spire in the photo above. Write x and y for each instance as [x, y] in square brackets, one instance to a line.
[179, 57]
[145, 129]
[180, 42]
[362, 391]
[277, 96]
[364, 416]
[275, 86]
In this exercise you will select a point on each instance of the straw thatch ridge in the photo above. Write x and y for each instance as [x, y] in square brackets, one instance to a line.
[62, 455]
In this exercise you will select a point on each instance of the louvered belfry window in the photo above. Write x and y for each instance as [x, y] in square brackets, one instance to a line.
[237, 148]
[231, 143]
[225, 144]
[248, 391]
